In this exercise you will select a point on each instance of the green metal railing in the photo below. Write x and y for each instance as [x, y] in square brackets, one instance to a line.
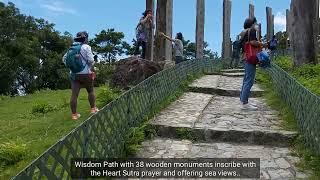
[304, 104]
[103, 134]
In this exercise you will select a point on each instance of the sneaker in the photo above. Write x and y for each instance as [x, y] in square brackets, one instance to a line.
[94, 110]
[253, 104]
[249, 107]
[76, 116]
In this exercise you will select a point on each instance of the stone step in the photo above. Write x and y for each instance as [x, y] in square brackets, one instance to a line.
[233, 71]
[275, 162]
[234, 74]
[267, 138]
[206, 118]
[222, 85]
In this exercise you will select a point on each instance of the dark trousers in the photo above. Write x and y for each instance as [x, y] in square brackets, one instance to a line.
[82, 81]
[179, 59]
[143, 45]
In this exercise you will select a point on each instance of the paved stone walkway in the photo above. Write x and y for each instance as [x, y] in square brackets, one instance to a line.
[218, 128]
[222, 85]
[275, 162]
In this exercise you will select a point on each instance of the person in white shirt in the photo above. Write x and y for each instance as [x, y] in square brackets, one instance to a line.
[177, 46]
[85, 78]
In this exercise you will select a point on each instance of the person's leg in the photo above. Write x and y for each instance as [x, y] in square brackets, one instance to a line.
[138, 43]
[144, 45]
[250, 71]
[231, 62]
[179, 59]
[91, 95]
[86, 81]
[75, 88]
[236, 65]
[245, 77]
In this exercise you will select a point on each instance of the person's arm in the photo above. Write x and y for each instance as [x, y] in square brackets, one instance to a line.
[87, 54]
[64, 59]
[167, 37]
[145, 19]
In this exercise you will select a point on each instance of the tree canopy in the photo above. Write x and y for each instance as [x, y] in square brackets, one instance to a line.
[31, 52]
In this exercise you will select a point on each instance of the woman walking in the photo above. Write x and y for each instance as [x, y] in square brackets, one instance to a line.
[81, 77]
[249, 42]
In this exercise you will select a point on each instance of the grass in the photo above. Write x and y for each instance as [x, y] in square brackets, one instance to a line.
[31, 124]
[309, 161]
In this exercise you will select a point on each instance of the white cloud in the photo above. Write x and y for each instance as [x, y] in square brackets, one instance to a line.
[58, 8]
[280, 21]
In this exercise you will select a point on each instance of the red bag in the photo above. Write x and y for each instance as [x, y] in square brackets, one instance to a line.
[251, 51]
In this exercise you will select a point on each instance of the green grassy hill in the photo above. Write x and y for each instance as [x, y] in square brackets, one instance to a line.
[29, 125]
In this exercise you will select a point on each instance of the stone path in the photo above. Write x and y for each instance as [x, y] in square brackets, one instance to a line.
[209, 123]
[222, 85]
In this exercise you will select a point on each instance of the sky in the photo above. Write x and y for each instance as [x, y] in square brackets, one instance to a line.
[123, 15]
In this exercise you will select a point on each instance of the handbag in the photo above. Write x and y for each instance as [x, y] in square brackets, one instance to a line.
[251, 51]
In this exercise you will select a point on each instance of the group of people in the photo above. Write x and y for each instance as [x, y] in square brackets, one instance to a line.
[144, 28]
[80, 60]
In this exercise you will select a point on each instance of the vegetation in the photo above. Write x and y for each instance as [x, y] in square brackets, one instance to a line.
[190, 50]
[310, 161]
[31, 124]
[308, 75]
[31, 52]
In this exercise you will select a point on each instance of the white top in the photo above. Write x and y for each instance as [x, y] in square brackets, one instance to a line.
[86, 57]
[178, 47]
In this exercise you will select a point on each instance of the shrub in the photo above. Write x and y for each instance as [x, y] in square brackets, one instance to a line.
[284, 62]
[106, 95]
[43, 108]
[11, 153]
[104, 72]
[308, 75]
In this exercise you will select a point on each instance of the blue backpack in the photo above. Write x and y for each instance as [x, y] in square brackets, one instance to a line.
[264, 59]
[73, 60]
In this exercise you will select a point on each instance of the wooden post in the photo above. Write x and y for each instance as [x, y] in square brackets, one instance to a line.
[269, 23]
[226, 44]
[200, 28]
[287, 20]
[163, 47]
[288, 27]
[272, 26]
[150, 35]
[303, 31]
[259, 32]
[251, 10]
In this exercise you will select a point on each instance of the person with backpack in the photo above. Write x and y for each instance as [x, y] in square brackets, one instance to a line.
[250, 46]
[80, 59]
[177, 46]
[144, 25]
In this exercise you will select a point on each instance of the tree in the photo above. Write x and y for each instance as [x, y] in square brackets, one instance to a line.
[190, 50]
[282, 39]
[30, 53]
[129, 49]
[109, 44]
